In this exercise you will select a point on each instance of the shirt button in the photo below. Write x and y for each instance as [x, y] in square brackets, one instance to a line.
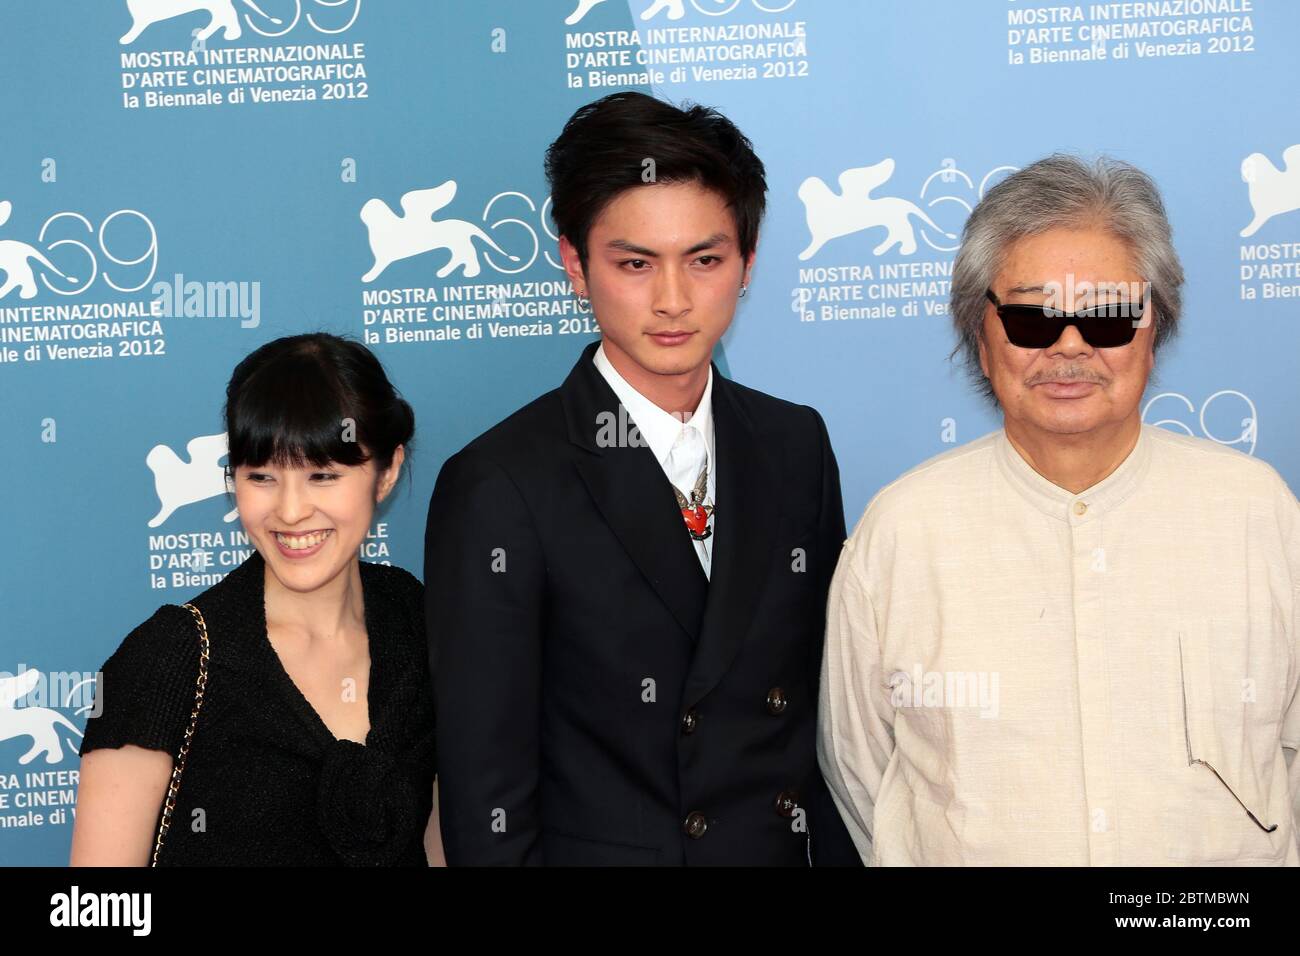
[1080, 507]
[690, 721]
[695, 824]
[786, 801]
[776, 702]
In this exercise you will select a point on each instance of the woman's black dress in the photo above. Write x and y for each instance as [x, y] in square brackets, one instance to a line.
[266, 782]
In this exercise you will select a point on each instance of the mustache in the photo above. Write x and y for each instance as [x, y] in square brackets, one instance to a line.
[1067, 373]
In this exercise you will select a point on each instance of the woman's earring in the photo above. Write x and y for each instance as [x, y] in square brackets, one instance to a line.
[743, 290]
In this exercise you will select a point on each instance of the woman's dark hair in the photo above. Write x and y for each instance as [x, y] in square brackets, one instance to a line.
[314, 398]
[603, 150]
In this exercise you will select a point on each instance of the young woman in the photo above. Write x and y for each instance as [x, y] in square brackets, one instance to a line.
[314, 741]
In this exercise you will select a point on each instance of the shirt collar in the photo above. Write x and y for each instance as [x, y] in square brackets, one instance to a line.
[1059, 503]
[658, 427]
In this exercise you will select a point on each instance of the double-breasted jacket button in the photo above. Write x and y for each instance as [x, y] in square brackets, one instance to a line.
[776, 701]
[786, 802]
[690, 721]
[695, 824]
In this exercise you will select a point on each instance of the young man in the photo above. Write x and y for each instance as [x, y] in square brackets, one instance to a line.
[623, 674]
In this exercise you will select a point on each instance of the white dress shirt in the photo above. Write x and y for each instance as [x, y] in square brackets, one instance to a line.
[660, 430]
[1018, 675]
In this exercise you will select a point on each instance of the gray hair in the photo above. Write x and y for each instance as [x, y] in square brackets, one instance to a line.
[1062, 190]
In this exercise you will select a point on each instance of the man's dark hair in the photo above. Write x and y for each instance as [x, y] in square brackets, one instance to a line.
[604, 145]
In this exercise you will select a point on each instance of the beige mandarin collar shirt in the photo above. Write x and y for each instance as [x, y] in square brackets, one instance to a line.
[1015, 674]
[660, 430]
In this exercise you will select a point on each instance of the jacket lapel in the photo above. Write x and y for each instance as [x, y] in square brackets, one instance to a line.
[633, 495]
[748, 513]
[235, 611]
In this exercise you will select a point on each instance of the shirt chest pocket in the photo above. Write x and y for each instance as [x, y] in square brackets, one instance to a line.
[1226, 806]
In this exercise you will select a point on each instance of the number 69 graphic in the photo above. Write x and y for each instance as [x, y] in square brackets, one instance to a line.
[534, 242]
[287, 23]
[150, 253]
[1249, 423]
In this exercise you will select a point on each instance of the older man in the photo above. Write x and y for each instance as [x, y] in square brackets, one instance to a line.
[1074, 640]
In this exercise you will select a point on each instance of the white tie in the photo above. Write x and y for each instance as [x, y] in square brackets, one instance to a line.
[685, 461]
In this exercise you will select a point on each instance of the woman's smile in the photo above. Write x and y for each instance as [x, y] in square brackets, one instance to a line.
[302, 545]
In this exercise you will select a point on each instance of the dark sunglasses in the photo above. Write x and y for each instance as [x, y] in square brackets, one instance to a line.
[1106, 326]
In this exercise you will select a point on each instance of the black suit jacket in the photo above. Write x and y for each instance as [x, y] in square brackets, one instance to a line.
[599, 700]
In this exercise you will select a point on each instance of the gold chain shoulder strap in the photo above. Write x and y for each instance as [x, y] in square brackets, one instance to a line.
[178, 768]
